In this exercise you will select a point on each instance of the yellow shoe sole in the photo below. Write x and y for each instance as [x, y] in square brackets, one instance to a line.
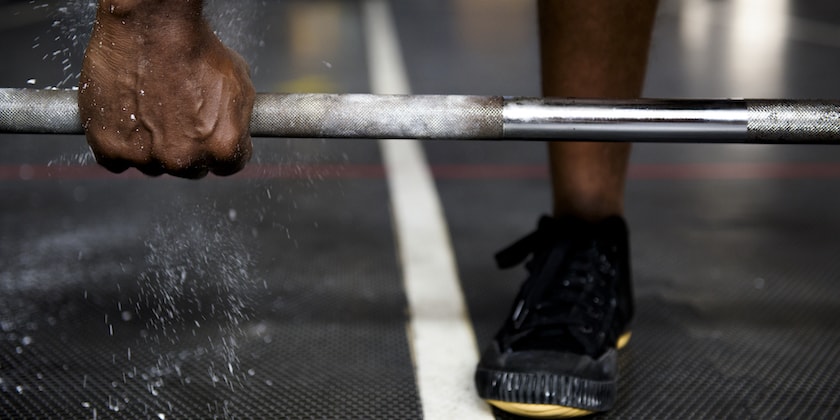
[547, 411]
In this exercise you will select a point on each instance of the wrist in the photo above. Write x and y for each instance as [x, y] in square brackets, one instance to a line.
[157, 9]
[132, 26]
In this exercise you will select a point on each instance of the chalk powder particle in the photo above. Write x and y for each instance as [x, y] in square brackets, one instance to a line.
[198, 268]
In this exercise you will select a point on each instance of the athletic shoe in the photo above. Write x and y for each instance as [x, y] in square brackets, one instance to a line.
[556, 354]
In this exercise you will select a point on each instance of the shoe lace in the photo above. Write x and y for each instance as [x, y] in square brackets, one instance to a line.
[566, 299]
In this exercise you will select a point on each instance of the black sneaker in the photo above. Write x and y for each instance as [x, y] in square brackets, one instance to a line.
[555, 356]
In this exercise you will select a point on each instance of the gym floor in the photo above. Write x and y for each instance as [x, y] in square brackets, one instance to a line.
[286, 291]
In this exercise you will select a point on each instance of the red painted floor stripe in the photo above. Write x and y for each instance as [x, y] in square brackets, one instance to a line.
[25, 172]
[731, 171]
[315, 171]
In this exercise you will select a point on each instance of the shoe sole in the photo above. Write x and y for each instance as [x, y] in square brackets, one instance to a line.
[548, 411]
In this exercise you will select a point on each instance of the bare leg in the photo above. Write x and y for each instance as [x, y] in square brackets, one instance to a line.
[592, 49]
[561, 328]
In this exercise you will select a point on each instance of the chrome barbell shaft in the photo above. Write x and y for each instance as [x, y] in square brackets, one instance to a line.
[484, 117]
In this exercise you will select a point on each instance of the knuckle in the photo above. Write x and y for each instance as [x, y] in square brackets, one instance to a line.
[184, 163]
[231, 156]
[116, 151]
[112, 165]
[152, 169]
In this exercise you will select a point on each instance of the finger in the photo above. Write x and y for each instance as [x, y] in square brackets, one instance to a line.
[116, 166]
[230, 147]
[228, 169]
[151, 169]
[116, 153]
[193, 172]
[231, 157]
[184, 162]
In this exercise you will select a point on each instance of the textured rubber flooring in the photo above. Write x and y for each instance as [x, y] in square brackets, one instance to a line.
[736, 303]
[277, 295]
[272, 294]
[736, 274]
[226, 298]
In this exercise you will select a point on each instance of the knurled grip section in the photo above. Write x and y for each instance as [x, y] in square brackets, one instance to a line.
[784, 121]
[378, 116]
[39, 111]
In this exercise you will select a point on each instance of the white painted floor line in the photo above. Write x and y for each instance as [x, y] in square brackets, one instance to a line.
[440, 333]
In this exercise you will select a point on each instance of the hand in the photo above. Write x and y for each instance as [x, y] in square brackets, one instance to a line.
[159, 92]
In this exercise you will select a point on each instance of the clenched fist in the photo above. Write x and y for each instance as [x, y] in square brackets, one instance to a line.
[159, 91]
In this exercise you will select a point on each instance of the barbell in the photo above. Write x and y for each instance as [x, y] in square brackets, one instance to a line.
[461, 117]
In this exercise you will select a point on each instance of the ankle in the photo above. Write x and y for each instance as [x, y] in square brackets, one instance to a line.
[588, 210]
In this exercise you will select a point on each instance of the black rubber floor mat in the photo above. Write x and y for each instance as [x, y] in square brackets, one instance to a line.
[248, 310]
[736, 288]
[283, 370]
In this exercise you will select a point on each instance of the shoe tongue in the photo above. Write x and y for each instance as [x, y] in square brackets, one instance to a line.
[578, 225]
[577, 250]
[607, 229]
[574, 239]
